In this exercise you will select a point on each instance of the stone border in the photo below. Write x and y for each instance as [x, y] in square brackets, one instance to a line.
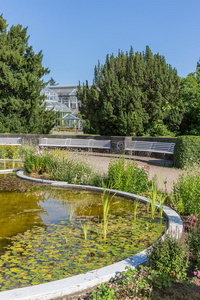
[78, 283]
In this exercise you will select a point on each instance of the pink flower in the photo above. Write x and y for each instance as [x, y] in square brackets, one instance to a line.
[197, 273]
[192, 217]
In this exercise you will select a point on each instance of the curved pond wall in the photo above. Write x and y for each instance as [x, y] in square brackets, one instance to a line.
[78, 283]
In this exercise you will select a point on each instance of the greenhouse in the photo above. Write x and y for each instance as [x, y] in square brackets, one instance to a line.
[65, 114]
[52, 102]
[72, 121]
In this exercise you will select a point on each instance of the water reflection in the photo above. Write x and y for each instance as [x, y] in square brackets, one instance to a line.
[21, 211]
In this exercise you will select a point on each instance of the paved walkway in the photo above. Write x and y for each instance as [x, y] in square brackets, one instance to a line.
[160, 167]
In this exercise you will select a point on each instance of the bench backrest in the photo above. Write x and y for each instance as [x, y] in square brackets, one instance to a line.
[164, 147]
[90, 143]
[54, 142]
[11, 141]
[160, 147]
[79, 142]
[101, 144]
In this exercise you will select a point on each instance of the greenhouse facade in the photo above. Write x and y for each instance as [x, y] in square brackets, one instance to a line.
[65, 104]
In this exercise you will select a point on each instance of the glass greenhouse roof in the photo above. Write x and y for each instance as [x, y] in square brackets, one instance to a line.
[57, 106]
[70, 117]
[50, 95]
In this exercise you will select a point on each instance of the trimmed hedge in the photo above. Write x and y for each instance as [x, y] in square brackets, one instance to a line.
[186, 151]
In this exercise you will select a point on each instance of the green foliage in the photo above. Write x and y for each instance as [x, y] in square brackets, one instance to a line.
[132, 94]
[186, 193]
[38, 162]
[190, 95]
[9, 152]
[103, 292]
[22, 109]
[132, 284]
[194, 240]
[70, 169]
[169, 257]
[186, 151]
[127, 177]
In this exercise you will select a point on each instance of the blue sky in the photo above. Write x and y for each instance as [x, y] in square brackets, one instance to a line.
[74, 34]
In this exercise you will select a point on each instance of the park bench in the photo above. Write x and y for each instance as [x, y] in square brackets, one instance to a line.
[75, 143]
[157, 147]
[7, 141]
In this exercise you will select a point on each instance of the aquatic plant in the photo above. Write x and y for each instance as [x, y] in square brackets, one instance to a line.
[85, 226]
[71, 212]
[154, 192]
[106, 200]
[135, 207]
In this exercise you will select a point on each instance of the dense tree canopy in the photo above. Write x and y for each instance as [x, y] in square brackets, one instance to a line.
[22, 109]
[190, 95]
[132, 94]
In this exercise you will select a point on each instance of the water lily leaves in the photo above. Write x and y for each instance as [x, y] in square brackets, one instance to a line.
[59, 250]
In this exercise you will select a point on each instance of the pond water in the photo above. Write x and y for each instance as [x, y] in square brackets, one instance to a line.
[51, 233]
[19, 212]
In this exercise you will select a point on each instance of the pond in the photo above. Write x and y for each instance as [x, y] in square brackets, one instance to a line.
[50, 233]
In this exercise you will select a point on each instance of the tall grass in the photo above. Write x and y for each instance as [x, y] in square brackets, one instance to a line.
[127, 177]
[71, 212]
[85, 226]
[106, 200]
[186, 193]
[135, 207]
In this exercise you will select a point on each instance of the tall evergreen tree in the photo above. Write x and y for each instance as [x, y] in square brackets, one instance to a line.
[190, 95]
[132, 94]
[22, 108]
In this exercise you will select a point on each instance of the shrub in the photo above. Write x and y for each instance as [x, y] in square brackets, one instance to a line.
[194, 239]
[72, 170]
[130, 178]
[186, 193]
[38, 161]
[9, 152]
[132, 284]
[186, 151]
[169, 257]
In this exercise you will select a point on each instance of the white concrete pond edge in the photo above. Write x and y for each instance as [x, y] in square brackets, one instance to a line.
[78, 283]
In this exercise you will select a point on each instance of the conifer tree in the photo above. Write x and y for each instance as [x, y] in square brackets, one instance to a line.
[132, 94]
[22, 108]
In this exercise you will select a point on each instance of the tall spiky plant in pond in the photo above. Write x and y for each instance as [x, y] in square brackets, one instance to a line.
[85, 226]
[135, 207]
[71, 212]
[153, 199]
[106, 208]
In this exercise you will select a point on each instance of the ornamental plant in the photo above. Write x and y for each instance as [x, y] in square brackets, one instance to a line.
[38, 161]
[169, 256]
[186, 193]
[127, 177]
[132, 284]
[194, 240]
[9, 152]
